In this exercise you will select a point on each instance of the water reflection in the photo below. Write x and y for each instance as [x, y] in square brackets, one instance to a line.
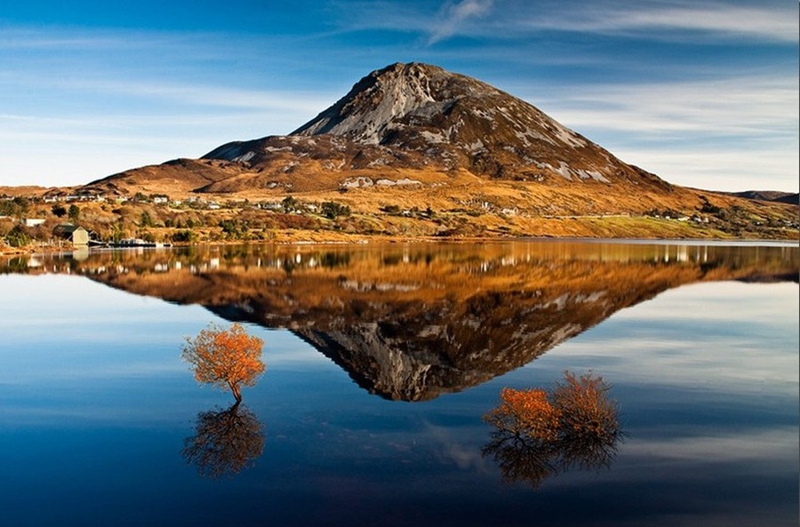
[225, 441]
[411, 322]
[540, 434]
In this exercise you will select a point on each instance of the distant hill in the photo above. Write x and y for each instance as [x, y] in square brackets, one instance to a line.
[770, 195]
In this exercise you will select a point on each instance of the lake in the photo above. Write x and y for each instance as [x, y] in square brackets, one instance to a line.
[382, 361]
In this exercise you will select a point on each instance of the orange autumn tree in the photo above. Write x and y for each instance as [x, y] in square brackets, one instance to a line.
[527, 412]
[225, 358]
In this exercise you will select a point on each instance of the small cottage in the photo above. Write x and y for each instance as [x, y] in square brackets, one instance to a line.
[72, 233]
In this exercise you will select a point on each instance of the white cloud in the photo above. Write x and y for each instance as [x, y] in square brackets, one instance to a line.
[64, 87]
[295, 102]
[454, 15]
[726, 106]
[725, 169]
[451, 19]
[738, 351]
[38, 39]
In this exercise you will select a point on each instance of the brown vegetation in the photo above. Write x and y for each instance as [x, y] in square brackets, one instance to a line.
[454, 158]
[539, 434]
[473, 210]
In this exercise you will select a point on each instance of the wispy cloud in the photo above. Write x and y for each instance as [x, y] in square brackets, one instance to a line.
[453, 15]
[66, 39]
[715, 133]
[659, 20]
[211, 96]
[679, 111]
[730, 106]
[648, 19]
[451, 19]
[729, 168]
[770, 445]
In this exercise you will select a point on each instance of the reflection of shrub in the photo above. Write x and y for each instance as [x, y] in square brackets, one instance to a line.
[538, 434]
[332, 260]
[392, 259]
[225, 441]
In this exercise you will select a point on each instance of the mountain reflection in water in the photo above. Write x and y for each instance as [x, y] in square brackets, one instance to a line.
[410, 322]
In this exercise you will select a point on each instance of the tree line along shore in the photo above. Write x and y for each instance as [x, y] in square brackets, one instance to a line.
[37, 223]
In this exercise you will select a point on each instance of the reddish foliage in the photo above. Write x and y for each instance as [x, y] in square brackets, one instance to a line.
[225, 358]
[540, 433]
[526, 412]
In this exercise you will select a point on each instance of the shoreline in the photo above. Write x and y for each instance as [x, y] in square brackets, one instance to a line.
[42, 250]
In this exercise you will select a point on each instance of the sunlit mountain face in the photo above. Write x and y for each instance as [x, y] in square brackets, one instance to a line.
[411, 322]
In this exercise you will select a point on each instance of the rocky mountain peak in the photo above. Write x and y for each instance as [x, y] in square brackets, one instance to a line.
[461, 122]
[421, 117]
[377, 103]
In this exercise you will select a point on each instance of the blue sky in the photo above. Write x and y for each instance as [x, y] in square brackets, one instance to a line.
[704, 94]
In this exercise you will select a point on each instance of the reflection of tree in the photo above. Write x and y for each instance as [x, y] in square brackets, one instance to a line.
[521, 458]
[539, 434]
[225, 441]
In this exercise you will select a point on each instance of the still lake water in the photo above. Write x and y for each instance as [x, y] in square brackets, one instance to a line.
[381, 362]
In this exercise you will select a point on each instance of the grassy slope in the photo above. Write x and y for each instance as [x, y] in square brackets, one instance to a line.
[462, 205]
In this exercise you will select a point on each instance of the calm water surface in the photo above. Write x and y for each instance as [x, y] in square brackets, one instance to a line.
[381, 362]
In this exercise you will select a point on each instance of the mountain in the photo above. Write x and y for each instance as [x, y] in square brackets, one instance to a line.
[407, 125]
[480, 162]
[422, 117]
